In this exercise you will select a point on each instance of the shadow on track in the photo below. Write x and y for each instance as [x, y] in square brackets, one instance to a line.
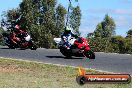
[64, 57]
[13, 49]
[4, 48]
[55, 56]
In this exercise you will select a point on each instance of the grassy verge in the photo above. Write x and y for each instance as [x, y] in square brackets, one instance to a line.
[22, 74]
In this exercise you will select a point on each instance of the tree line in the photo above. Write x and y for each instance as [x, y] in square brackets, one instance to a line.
[104, 38]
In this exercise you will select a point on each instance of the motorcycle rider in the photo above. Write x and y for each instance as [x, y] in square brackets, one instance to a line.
[67, 35]
[17, 31]
[19, 28]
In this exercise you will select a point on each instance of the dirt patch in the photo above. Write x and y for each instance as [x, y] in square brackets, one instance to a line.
[12, 69]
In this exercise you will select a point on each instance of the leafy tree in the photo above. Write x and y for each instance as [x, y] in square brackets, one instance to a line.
[12, 14]
[129, 33]
[90, 35]
[1, 39]
[118, 44]
[98, 30]
[43, 19]
[106, 28]
[128, 41]
[60, 19]
[75, 19]
[128, 45]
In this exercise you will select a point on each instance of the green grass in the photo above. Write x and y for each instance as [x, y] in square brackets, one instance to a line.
[24, 74]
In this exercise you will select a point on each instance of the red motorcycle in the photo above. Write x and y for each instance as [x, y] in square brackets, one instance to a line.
[79, 48]
[25, 41]
[16, 39]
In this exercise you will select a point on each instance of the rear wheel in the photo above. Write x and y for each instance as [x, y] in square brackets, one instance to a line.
[66, 52]
[8, 41]
[11, 47]
[90, 54]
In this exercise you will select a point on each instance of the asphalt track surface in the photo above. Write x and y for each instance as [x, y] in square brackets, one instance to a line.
[117, 63]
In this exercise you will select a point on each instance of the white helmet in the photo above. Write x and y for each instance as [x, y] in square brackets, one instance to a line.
[68, 29]
[28, 38]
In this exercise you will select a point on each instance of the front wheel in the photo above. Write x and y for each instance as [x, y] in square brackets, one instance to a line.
[89, 54]
[32, 46]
